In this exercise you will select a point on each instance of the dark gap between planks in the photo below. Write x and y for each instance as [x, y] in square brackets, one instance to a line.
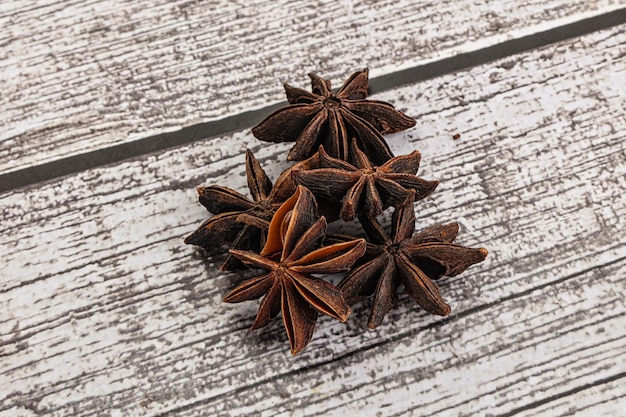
[116, 153]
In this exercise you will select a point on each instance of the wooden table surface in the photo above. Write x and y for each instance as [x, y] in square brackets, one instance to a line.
[113, 112]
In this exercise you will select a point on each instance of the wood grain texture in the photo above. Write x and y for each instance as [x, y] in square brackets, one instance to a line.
[79, 75]
[107, 313]
[605, 399]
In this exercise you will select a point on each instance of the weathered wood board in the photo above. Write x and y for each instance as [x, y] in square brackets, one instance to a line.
[105, 312]
[79, 75]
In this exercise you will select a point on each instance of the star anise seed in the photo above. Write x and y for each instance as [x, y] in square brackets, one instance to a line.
[331, 119]
[291, 254]
[364, 188]
[239, 220]
[411, 260]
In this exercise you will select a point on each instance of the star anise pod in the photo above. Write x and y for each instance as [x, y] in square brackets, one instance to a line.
[412, 260]
[365, 188]
[331, 119]
[291, 254]
[239, 220]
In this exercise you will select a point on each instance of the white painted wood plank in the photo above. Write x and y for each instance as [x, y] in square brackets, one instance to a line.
[79, 75]
[526, 349]
[107, 313]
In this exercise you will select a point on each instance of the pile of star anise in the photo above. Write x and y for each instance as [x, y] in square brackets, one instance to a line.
[345, 170]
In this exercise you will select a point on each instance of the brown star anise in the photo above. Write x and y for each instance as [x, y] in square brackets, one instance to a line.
[331, 119]
[364, 188]
[411, 260]
[238, 219]
[291, 254]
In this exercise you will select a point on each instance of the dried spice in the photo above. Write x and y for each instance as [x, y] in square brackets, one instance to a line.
[239, 220]
[411, 260]
[365, 188]
[347, 165]
[332, 119]
[291, 254]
